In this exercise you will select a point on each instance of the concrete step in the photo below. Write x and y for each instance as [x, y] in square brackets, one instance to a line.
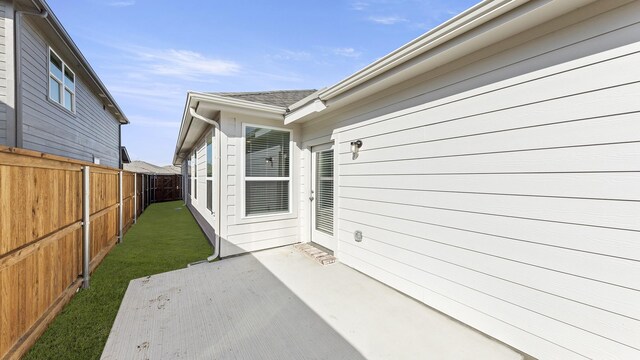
[316, 254]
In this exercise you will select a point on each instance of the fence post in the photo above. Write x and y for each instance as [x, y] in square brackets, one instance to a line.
[135, 198]
[86, 234]
[120, 207]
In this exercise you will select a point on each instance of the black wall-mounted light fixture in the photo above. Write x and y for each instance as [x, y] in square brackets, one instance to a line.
[355, 148]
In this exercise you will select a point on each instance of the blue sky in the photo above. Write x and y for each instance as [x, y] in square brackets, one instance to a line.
[149, 53]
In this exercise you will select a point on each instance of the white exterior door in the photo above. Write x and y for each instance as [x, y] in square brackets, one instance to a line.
[322, 196]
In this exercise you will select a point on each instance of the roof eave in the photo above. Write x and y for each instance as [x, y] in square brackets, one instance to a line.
[389, 70]
[59, 29]
[224, 104]
[465, 21]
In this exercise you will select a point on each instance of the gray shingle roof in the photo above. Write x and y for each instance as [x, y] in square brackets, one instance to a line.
[282, 98]
[147, 168]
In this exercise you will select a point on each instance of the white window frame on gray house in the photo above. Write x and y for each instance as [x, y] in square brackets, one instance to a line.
[66, 86]
[245, 179]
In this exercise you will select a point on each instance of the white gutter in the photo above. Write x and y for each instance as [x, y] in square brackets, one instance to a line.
[224, 103]
[475, 16]
[316, 106]
[216, 245]
[471, 18]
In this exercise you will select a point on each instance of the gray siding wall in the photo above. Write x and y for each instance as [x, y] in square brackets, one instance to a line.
[48, 127]
[3, 74]
[503, 189]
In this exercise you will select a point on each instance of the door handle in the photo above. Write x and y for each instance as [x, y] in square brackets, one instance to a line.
[311, 197]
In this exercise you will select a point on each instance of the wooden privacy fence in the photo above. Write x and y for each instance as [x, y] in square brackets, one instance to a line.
[164, 187]
[41, 235]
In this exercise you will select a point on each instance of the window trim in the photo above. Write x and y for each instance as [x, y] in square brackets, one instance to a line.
[210, 194]
[243, 172]
[195, 174]
[60, 82]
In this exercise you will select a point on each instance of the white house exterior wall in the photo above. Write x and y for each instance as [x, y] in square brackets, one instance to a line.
[200, 202]
[255, 233]
[239, 234]
[502, 189]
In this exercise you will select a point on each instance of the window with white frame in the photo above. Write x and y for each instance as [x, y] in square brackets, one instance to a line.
[189, 178]
[62, 82]
[195, 175]
[267, 177]
[210, 140]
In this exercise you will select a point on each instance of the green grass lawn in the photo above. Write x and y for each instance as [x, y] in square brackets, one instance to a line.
[165, 238]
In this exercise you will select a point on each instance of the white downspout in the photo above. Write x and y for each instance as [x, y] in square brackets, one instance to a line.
[216, 246]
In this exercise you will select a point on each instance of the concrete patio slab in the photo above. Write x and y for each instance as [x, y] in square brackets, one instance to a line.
[279, 304]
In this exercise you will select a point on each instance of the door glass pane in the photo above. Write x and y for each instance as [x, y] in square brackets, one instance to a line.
[324, 191]
[209, 194]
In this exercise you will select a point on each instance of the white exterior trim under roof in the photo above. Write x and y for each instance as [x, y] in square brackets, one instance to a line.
[468, 20]
[220, 103]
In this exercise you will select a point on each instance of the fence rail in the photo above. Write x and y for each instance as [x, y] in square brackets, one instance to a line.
[41, 236]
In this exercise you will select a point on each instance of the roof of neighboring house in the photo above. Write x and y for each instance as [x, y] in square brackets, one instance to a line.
[148, 168]
[173, 169]
[282, 98]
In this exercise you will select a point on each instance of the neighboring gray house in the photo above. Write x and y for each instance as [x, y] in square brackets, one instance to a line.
[51, 100]
[489, 168]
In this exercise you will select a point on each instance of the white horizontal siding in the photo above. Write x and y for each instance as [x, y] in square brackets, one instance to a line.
[502, 189]
[240, 234]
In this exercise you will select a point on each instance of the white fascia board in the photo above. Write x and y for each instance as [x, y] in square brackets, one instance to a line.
[313, 107]
[301, 103]
[184, 125]
[240, 105]
[469, 19]
[466, 21]
[222, 103]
